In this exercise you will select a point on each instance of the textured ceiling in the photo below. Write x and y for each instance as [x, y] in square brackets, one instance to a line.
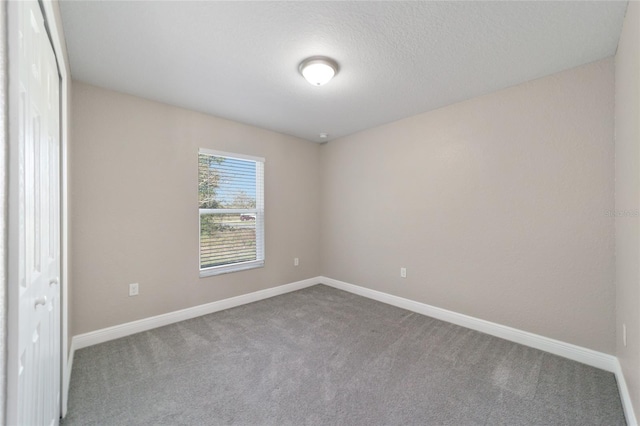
[239, 60]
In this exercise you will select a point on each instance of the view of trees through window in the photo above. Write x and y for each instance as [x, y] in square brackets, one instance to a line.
[227, 198]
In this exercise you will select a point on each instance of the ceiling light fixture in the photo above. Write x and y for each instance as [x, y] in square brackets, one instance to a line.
[318, 70]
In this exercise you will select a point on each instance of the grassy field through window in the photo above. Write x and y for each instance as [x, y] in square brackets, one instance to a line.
[227, 239]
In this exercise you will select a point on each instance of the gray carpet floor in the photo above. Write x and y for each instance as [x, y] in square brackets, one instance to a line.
[321, 356]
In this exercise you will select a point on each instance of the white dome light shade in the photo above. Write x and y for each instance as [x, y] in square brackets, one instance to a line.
[318, 73]
[318, 70]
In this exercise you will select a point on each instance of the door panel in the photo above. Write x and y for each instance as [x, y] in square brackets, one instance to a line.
[37, 247]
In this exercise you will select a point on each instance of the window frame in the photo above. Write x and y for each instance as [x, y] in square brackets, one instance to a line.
[258, 210]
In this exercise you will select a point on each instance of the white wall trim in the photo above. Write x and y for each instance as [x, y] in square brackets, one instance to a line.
[627, 405]
[53, 18]
[104, 335]
[567, 350]
[4, 206]
[556, 347]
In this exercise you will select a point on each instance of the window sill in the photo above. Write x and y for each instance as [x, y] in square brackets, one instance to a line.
[226, 269]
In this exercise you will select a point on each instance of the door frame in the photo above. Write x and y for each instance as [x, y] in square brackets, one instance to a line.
[53, 24]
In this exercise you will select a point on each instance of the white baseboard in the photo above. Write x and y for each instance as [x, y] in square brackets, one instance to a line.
[576, 353]
[556, 347]
[627, 405]
[104, 335]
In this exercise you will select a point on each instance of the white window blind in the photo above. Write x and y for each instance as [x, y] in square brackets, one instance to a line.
[231, 205]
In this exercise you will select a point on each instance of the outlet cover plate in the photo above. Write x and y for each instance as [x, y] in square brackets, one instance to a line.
[133, 289]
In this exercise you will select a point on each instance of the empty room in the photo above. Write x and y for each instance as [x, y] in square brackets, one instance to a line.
[320, 213]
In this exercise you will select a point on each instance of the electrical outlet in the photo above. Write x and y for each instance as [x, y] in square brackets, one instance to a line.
[296, 261]
[624, 334]
[403, 272]
[133, 289]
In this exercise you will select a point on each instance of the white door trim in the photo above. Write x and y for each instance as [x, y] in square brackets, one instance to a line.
[54, 22]
[4, 179]
[13, 232]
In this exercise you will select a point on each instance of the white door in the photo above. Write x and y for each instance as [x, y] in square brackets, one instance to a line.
[34, 362]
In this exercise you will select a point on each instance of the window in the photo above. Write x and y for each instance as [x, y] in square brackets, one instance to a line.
[231, 204]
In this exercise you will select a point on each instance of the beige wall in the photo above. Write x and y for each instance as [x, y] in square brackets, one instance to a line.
[496, 207]
[627, 117]
[134, 207]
